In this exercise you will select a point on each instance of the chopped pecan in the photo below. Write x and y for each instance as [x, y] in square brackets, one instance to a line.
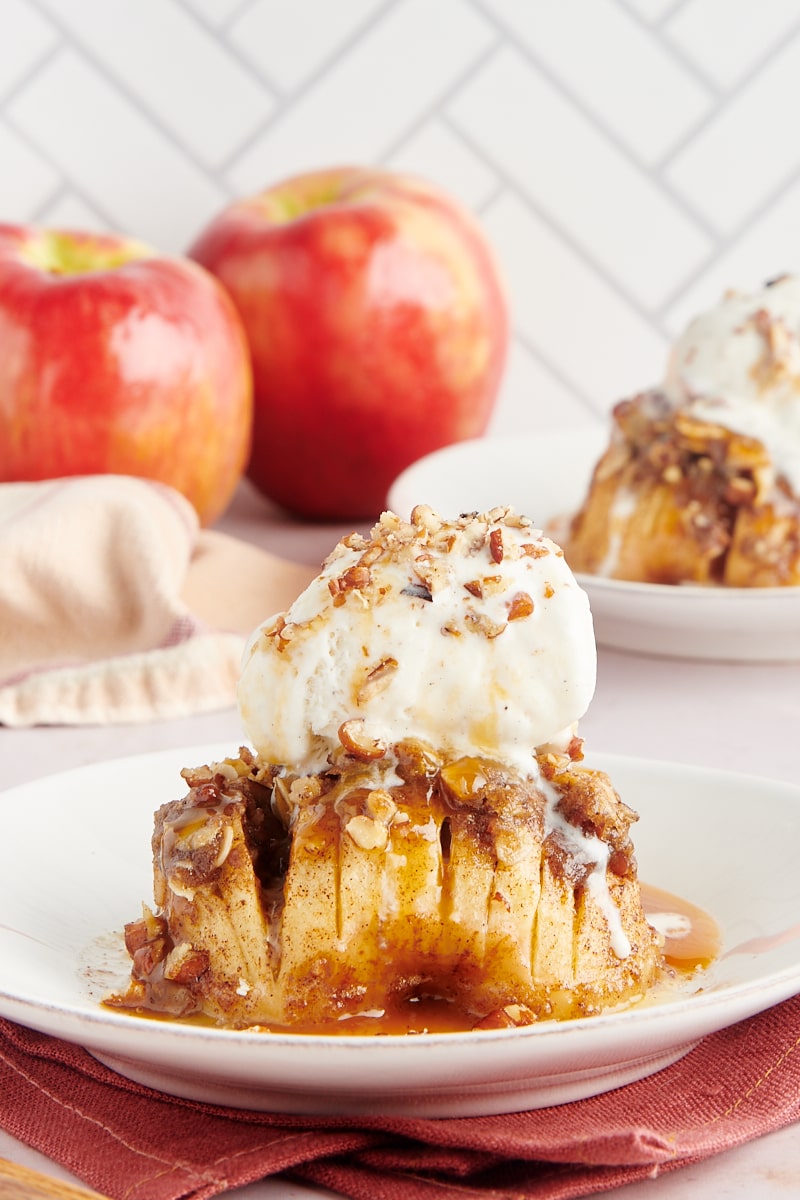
[496, 545]
[282, 633]
[490, 585]
[423, 517]
[184, 964]
[148, 956]
[740, 490]
[371, 555]
[480, 623]
[355, 579]
[149, 928]
[356, 741]
[575, 748]
[511, 1016]
[520, 605]
[367, 833]
[377, 678]
[355, 541]
[619, 863]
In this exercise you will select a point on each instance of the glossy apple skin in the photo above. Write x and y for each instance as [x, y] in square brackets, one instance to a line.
[123, 364]
[378, 330]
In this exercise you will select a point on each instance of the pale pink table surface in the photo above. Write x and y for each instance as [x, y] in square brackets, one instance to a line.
[740, 716]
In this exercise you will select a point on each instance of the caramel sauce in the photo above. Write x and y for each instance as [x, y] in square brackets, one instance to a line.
[692, 942]
[405, 1017]
[692, 937]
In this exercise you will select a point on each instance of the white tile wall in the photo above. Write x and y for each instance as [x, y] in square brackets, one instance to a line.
[32, 38]
[727, 39]
[747, 150]
[158, 55]
[124, 164]
[631, 83]
[549, 150]
[629, 159]
[381, 87]
[288, 43]
[595, 340]
[26, 180]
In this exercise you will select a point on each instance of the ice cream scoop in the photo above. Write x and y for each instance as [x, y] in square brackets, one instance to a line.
[471, 636]
[738, 365]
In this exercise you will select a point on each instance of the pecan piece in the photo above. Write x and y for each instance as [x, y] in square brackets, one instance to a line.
[146, 958]
[184, 964]
[377, 679]
[520, 605]
[355, 579]
[356, 741]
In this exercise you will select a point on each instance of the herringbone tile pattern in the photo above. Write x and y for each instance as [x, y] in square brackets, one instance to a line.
[630, 159]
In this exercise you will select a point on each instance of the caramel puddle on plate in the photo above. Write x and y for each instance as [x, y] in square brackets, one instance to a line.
[692, 942]
[692, 938]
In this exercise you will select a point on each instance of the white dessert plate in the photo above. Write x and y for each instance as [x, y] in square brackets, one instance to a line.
[545, 476]
[78, 866]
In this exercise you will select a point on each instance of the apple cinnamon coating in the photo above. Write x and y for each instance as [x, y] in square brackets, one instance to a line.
[296, 901]
[676, 499]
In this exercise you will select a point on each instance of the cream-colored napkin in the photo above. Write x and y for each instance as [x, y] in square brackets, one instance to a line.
[115, 606]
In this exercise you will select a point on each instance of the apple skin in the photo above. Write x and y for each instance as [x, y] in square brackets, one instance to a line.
[378, 330]
[114, 360]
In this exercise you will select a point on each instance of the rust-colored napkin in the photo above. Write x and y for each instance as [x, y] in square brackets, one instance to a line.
[115, 606]
[133, 1143]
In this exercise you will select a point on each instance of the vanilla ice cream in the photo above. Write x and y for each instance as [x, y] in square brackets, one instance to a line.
[738, 366]
[471, 636]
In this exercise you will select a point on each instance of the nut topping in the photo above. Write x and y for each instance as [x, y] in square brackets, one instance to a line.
[496, 545]
[356, 741]
[377, 678]
[520, 606]
[367, 833]
[184, 964]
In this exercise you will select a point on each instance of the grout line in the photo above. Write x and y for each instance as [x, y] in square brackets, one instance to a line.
[650, 317]
[234, 16]
[726, 100]
[497, 191]
[552, 369]
[759, 214]
[37, 215]
[667, 16]
[209, 172]
[433, 112]
[105, 219]
[247, 66]
[309, 83]
[661, 36]
[35, 68]
[563, 88]
[64, 182]
[504, 37]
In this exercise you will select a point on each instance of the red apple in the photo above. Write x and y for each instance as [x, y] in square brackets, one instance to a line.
[116, 360]
[377, 326]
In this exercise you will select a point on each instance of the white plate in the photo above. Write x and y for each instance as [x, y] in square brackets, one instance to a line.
[545, 476]
[80, 867]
